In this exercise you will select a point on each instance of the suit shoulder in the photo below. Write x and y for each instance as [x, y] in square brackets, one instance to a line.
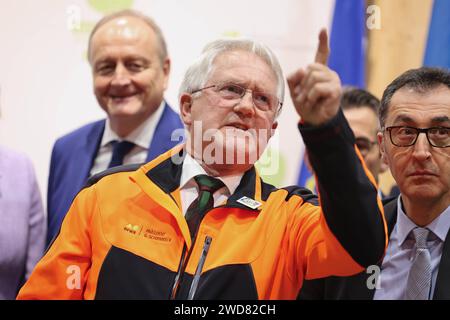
[82, 131]
[17, 168]
[172, 116]
[8, 153]
[14, 158]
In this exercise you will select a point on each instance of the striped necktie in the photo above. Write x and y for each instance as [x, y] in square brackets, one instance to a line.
[203, 203]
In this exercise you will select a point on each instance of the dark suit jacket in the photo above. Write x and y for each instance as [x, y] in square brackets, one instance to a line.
[355, 287]
[73, 156]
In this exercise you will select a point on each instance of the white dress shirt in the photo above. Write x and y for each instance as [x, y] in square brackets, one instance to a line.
[189, 189]
[400, 254]
[141, 137]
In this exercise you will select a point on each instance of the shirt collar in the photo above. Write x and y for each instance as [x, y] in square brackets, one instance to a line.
[441, 224]
[141, 136]
[192, 168]
[438, 226]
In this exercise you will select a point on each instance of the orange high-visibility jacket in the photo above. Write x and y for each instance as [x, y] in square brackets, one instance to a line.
[125, 235]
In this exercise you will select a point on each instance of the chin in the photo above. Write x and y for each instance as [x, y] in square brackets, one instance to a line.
[229, 154]
[123, 110]
[241, 152]
[422, 192]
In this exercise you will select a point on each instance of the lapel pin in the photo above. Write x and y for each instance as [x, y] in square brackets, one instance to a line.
[248, 202]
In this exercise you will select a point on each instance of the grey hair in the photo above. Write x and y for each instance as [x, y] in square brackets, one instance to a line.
[162, 47]
[420, 80]
[199, 72]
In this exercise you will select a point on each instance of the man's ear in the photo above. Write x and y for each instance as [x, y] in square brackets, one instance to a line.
[382, 146]
[186, 108]
[383, 167]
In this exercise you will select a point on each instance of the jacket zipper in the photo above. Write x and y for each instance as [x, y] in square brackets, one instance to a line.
[183, 263]
[181, 268]
[199, 269]
[186, 255]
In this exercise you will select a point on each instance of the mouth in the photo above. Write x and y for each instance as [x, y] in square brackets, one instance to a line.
[121, 98]
[239, 126]
[422, 173]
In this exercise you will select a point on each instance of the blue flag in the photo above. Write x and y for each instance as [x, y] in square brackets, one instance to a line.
[348, 42]
[437, 53]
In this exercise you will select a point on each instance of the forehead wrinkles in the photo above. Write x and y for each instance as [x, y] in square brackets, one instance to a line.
[256, 70]
[420, 115]
[420, 106]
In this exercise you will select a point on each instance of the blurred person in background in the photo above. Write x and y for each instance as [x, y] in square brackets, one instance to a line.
[22, 221]
[360, 108]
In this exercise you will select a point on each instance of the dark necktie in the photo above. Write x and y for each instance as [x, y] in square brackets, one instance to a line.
[120, 150]
[205, 201]
[419, 278]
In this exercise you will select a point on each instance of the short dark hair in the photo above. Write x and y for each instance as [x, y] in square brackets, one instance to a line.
[136, 14]
[353, 98]
[420, 80]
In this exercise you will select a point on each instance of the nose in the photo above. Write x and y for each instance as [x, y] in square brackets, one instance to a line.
[121, 77]
[422, 148]
[245, 105]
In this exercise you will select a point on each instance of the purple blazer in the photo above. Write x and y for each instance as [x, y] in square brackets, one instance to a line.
[22, 222]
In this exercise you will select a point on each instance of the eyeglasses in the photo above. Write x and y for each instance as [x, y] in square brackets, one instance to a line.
[230, 94]
[364, 145]
[404, 136]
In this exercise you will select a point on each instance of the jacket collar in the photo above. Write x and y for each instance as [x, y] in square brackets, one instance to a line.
[442, 290]
[87, 151]
[160, 180]
[167, 175]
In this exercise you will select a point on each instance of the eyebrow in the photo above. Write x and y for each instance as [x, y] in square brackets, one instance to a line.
[440, 119]
[131, 57]
[103, 60]
[403, 118]
[244, 83]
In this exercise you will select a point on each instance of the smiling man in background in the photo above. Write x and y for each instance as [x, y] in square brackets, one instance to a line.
[130, 69]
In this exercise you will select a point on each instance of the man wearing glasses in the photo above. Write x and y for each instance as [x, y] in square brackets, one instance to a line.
[198, 222]
[415, 143]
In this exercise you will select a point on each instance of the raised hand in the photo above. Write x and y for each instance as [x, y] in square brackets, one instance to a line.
[316, 91]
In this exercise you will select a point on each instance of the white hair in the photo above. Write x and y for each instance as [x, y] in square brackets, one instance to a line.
[199, 72]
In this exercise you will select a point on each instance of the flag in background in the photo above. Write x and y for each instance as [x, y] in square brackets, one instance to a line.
[347, 42]
[347, 56]
[437, 53]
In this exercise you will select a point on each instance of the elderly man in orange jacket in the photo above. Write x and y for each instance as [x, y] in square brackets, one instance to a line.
[198, 222]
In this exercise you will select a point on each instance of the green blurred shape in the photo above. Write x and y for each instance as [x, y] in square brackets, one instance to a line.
[85, 27]
[108, 6]
[272, 167]
[231, 34]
